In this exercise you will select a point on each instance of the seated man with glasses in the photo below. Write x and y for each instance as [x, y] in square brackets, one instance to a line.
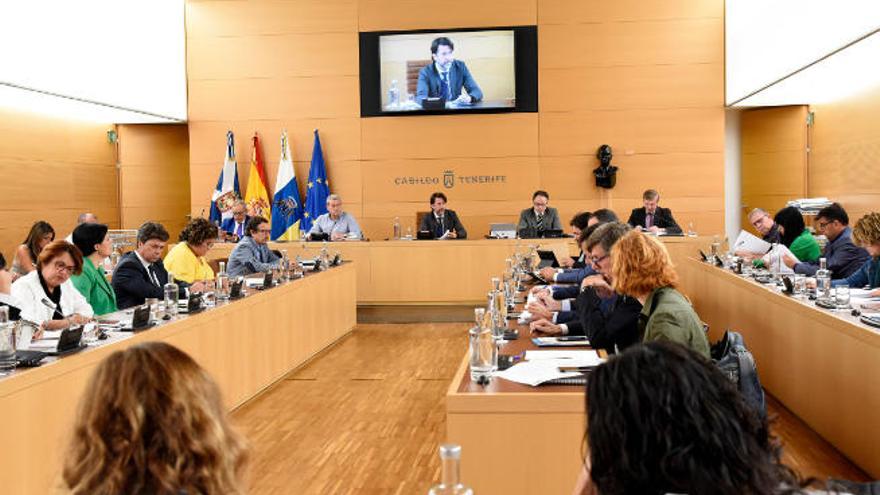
[844, 258]
[252, 254]
[766, 227]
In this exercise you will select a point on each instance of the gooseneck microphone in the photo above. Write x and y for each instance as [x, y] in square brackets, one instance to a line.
[49, 304]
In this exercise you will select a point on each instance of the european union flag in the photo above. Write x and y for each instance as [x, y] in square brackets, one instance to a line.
[317, 188]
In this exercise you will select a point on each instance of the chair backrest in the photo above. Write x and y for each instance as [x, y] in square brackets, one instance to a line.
[412, 74]
[419, 216]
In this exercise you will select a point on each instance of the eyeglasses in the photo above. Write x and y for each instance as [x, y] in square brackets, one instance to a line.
[824, 224]
[264, 231]
[757, 223]
[597, 259]
[61, 267]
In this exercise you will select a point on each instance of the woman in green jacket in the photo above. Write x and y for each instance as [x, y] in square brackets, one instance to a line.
[95, 245]
[642, 269]
[794, 235]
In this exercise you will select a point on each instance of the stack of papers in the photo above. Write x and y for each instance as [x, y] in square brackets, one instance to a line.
[543, 366]
[809, 205]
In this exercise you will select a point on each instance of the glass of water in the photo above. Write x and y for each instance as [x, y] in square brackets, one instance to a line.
[7, 342]
[800, 285]
[484, 354]
[841, 296]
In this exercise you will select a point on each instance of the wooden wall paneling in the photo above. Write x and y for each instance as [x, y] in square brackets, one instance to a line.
[448, 136]
[631, 87]
[377, 15]
[273, 56]
[774, 158]
[677, 41]
[210, 19]
[639, 131]
[589, 11]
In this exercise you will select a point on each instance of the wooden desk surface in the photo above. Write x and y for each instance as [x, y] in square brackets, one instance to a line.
[822, 365]
[245, 345]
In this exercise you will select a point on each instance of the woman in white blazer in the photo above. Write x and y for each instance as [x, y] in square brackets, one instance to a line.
[50, 282]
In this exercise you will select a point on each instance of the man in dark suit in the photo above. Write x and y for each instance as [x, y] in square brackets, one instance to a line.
[235, 228]
[534, 221]
[445, 77]
[652, 217]
[441, 221]
[140, 274]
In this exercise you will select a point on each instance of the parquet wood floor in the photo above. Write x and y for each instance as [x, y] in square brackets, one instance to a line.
[366, 416]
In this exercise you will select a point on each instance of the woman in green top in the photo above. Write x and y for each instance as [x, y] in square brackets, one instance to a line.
[794, 235]
[95, 245]
[641, 268]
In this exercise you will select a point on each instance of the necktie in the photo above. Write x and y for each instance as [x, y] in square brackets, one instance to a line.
[447, 91]
[238, 229]
[649, 220]
[153, 277]
[440, 229]
[540, 223]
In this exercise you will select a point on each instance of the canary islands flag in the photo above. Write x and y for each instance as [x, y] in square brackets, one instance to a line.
[227, 190]
[286, 207]
[318, 189]
[257, 195]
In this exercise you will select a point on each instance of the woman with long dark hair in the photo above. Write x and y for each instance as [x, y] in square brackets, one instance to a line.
[794, 235]
[663, 419]
[25, 260]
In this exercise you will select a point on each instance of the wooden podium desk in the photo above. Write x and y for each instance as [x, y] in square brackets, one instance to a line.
[516, 439]
[823, 365]
[452, 272]
[246, 345]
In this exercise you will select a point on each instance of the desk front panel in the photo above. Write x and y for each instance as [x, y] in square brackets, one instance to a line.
[824, 366]
[245, 345]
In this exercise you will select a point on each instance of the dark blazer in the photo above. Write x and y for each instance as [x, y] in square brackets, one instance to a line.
[228, 225]
[662, 218]
[608, 325]
[132, 283]
[528, 221]
[431, 85]
[450, 221]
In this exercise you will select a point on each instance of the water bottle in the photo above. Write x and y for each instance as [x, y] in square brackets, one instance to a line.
[325, 255]
[394, 95]
[171, 296]
[396, 229]
[484, 351]
[500, 308]
[450, 483]
[7, 342]
[285, 266]
[823, 281]
[221, 283]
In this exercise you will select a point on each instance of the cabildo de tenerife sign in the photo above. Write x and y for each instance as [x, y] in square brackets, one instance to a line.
[448, 179]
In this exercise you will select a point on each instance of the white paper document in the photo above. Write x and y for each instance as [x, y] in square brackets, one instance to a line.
[862, 293]
[577, 358]
[773, 259]
[751, 243]
[542, 366]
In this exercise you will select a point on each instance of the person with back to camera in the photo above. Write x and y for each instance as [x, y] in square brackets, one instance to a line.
[152, 421]
[663, 419]
[445, 77]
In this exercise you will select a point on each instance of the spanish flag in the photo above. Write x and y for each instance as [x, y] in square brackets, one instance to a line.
[257, 195]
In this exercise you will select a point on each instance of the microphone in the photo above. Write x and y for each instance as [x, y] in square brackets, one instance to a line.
[53, 307]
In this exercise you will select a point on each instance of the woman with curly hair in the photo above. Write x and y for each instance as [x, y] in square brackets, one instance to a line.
[866, 233]
[186, 260]
[663, 419]
[642, 269]
[151, 421]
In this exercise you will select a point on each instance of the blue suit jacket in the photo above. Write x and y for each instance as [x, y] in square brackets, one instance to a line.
[228, 224]
[431, 85]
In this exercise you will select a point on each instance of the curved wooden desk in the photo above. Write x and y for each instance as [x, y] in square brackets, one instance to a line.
[246, 345]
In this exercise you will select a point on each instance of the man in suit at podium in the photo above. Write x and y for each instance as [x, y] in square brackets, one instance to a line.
[445, 77]
[442, 223]
[651, 217]
[534, 221]
[141, 274]
[236, 226]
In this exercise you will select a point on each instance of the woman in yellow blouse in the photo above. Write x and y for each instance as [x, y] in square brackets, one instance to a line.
[186, 260]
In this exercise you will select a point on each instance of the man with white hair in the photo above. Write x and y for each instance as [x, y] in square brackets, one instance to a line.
[336, 223]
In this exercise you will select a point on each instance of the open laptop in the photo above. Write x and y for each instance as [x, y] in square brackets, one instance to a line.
[502, 230]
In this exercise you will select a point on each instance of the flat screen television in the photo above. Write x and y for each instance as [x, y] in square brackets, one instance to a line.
[470, 70]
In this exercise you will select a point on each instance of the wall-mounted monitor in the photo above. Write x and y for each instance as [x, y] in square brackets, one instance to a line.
[472, 70]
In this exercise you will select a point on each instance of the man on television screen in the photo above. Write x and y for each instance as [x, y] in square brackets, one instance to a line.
[445, 77]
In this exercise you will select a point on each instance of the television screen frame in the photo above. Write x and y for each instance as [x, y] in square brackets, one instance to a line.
[525, 72]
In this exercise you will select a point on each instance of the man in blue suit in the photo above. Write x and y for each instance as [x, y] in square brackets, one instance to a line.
[445, 77]
[235, 227]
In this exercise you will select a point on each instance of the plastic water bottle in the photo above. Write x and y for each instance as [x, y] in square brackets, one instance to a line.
[823, 281]
[450, 484]
[171, 296]
[394, 95]
[396, 228]
[221, 284]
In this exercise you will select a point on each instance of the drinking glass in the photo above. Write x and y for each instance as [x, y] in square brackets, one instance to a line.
[7, 342]
[800, 285]
[841, 296]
